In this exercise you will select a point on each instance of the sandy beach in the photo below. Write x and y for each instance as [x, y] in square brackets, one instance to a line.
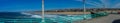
[70, 13]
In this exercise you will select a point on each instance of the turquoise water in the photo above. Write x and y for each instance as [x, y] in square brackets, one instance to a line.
[59, 19]
[53, 18]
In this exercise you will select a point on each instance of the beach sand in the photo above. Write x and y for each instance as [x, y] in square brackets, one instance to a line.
[66, 12]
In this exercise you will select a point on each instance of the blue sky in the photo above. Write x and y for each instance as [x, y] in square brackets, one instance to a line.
[23, 5]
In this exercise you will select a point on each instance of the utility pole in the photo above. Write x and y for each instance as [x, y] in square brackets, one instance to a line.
[43, 21]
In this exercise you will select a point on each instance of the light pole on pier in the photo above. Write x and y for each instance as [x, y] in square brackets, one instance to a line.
[84, 6]
[43, 21]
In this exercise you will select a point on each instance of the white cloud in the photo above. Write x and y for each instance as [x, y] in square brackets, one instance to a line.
[91, 3]
[116, 6]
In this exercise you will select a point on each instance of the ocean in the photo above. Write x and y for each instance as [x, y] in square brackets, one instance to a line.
[16, 17]
[13, 15]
